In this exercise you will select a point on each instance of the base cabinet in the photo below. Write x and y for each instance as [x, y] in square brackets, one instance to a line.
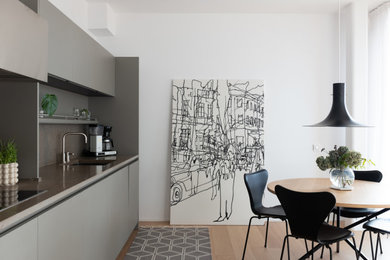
[93, 224]
[133, 195]
[21, 243]
[60, 230]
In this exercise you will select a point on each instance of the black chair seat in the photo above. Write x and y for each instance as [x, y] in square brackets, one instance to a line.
[306, 212]
[274, 212]
[328, 234]
[379, 225]
[255, 184]
[355, 212]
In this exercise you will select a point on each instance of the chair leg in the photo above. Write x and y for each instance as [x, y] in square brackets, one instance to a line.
[338, 225]
[288, 243]
[333, 219]
[330, 252]
[284, 243]
[247, 235]
[322, 252]
[372, 247]
[312, 246]
[380, 244]
[266, 233]
[376, 246]
[361, 243]
[354, 245]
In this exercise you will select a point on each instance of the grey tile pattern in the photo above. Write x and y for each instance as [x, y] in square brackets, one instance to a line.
[170, 243]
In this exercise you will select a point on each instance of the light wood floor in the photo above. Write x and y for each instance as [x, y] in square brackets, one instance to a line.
[227, 243]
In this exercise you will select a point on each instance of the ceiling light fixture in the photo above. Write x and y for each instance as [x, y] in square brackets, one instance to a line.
[338, 115]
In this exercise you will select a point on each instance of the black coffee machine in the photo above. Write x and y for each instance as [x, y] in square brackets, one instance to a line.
[108, 144]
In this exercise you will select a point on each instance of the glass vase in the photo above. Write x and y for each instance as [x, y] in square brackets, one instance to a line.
[342, 179]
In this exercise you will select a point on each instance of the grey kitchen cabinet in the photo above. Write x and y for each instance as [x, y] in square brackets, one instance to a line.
[121, 112]
[133, 195]
[23, 44]
[93, 224]
[93, 65]
[60, 230]
[60, 35]
[21, 243]
[118, 211]
[74, 56]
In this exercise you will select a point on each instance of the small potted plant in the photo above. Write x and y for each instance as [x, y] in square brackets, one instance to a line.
[339, 161]
[8, 164]
[49, 104]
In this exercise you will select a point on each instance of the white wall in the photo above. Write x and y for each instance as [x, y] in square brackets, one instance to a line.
[296, 55]
[76, 10]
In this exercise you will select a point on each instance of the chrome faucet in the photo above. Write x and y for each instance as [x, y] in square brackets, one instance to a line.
[66, 155]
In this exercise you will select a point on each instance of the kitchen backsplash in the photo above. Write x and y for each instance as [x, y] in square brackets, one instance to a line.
[50, 142]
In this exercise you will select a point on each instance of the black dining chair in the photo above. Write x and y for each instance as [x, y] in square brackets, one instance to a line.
[373, 176]
[306, 212]
[255, 184]
[378, 226]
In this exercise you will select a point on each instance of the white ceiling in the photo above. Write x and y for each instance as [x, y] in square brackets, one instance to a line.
[229, 6]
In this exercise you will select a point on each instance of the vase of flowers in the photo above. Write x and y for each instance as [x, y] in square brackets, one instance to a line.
[340, 161]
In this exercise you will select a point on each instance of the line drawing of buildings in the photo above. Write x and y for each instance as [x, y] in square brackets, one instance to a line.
[217, 133]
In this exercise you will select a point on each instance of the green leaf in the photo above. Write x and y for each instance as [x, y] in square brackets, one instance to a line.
[8, 152]
[49, 104]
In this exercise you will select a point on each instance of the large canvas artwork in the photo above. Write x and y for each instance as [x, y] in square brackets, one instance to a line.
[217, 136]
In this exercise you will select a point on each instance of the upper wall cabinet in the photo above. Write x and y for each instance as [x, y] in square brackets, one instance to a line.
[23, 41]
[74, 56]
[60, 44]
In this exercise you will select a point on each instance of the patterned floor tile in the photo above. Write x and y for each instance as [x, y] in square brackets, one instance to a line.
[170, 243]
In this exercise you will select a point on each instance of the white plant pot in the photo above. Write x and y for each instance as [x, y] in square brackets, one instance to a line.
[9, 174]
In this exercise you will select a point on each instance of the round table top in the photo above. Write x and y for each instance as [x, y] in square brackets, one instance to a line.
[365, 194]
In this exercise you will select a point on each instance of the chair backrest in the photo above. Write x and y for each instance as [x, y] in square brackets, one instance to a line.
[255, 184]
[305, 211]
[374, 175]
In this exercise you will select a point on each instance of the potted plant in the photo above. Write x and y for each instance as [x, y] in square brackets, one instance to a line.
[339, 161]
[49, 104]
[8, 163]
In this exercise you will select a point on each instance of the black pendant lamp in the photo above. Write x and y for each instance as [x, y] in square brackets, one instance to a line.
[338, 115]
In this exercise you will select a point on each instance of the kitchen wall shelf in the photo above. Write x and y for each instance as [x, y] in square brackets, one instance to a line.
[66, 120]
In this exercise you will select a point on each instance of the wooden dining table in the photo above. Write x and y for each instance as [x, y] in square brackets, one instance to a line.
[364, 194]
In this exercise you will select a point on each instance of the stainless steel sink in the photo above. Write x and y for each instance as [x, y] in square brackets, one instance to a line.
[91, 162]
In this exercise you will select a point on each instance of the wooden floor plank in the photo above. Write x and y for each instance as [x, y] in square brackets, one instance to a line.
[227, 243]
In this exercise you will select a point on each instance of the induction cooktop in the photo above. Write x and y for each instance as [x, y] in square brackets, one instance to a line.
[9, 198]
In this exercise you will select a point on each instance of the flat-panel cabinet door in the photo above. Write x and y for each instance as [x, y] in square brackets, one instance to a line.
[83, 52]
[21, 243]
[61, 229]
[74, 55]
[60, 40]
[104, 70]
[96, 228]
[118, 193]
[133, 195]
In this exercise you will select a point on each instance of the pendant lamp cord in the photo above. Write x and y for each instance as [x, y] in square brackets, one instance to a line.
[339, 23]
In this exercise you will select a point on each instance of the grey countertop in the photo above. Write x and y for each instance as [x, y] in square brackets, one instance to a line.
[60, 182]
